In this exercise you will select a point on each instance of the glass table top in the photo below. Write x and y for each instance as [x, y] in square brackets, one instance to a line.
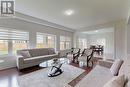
[54, 62]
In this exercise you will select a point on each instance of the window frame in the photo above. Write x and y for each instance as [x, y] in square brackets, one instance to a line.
[26, 42]
[66, 40]
[46, 35]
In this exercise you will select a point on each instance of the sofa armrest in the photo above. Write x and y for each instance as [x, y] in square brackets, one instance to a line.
[20, 61]
[105, 63]
[58, 53]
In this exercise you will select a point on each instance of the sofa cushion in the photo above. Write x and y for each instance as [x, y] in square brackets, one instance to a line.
[117, 81]
[38, 52]
[116, 66]
[25, 54]
[96, 78]
[40, 58]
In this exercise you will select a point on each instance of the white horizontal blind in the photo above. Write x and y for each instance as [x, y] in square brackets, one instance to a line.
[11, 34]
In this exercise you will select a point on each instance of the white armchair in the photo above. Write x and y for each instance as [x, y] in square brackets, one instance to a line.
[86, 57]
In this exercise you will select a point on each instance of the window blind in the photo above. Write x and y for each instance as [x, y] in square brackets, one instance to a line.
[11, 34]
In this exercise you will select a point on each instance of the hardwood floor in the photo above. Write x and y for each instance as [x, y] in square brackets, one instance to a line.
[8, 77]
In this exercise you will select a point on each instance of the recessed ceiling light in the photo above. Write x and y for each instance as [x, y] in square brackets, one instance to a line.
[96, 31]
[69, 12]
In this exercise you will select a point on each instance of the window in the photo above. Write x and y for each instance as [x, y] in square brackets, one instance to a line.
[51, 41]
[82, 43]
[65, 43]
[18, 44]
[3, 47]
[12, 40]
[41, 41]
[45, 40]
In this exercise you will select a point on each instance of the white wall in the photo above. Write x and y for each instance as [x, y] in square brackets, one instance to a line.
[120, 39]
[108, 36]
[128, 33]
[128, 40]
[32, 28]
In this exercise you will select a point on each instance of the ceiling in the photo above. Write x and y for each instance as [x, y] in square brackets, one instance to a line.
[99, 31]
[86, 12]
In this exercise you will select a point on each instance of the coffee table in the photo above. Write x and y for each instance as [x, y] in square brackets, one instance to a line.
[55, 66]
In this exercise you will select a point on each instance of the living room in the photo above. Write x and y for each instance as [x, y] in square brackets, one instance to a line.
[81, 35]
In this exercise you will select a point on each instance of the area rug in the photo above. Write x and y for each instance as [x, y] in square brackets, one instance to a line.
[40, 79]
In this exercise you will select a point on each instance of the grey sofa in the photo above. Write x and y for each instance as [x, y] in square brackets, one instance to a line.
[36, 57]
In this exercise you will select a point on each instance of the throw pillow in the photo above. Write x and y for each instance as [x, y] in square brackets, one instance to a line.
[117, 81]
[51, 51]
[25, 54]
[116, 66]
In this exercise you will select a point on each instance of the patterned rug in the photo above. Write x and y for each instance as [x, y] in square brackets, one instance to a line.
[40, 79]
